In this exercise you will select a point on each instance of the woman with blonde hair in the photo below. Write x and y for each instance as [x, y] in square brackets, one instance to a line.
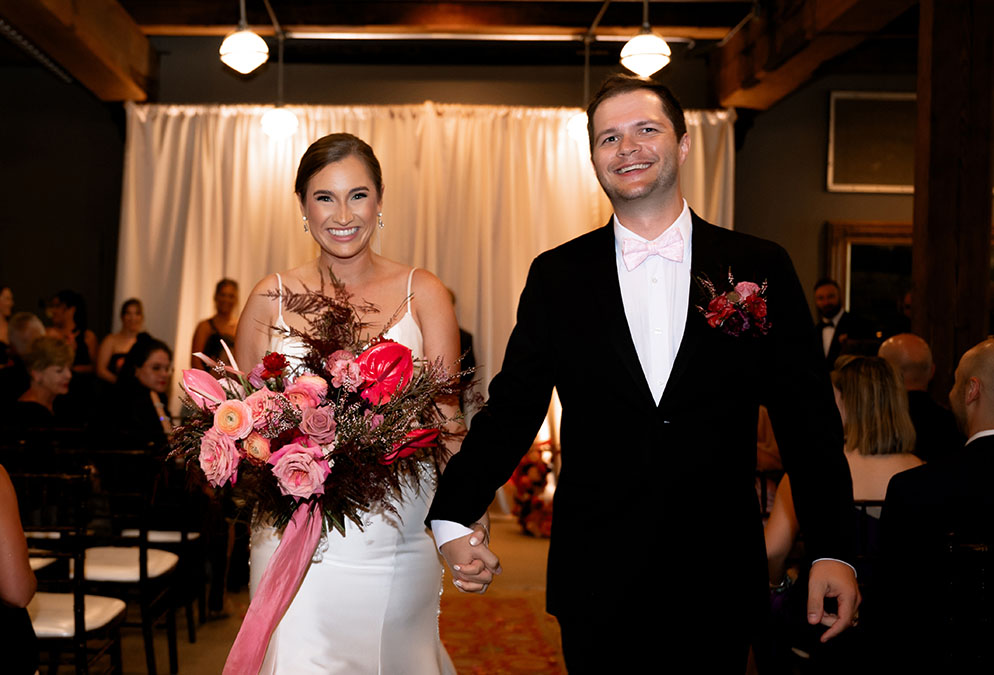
[879, 440]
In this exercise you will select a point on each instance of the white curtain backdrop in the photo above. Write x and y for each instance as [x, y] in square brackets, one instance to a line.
[472, 193]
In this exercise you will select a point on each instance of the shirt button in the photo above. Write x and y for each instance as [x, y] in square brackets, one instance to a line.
[654, 280]
[657, 331]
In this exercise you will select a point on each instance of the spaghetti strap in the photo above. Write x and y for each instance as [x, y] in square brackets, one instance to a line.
[279, 280]
[410, 277]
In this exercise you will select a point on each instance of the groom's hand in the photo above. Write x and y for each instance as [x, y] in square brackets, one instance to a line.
[473, 563]
[832, 579]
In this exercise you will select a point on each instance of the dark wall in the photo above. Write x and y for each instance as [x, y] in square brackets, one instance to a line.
[60, 191]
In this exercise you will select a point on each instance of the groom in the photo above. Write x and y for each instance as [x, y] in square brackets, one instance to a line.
[657, 548]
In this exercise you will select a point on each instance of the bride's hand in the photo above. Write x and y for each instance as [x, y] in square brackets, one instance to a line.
[473, 564]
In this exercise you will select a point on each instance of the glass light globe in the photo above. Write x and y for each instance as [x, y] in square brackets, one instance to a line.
[576, 127]
[279, 123]
[645, 53]
[244, 51]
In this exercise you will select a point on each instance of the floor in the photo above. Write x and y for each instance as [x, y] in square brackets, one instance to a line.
[504, 631]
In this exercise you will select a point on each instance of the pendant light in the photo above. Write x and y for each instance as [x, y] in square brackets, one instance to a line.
[645, 53]
[243, 50]
[278, 123]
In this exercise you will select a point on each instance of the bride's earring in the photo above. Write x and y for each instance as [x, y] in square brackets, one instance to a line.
[305, 223]
[379, 220]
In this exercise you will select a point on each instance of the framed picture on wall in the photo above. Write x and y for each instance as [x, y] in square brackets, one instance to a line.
[871, 142]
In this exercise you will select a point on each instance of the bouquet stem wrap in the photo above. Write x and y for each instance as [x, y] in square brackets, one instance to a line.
[277, 587]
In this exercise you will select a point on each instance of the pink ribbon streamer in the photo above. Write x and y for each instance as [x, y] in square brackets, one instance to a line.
[276, 589]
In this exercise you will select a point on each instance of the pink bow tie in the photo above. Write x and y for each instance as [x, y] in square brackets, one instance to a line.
[669, 245]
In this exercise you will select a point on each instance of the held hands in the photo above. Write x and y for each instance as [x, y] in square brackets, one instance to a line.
[832, 579]
[472, 562]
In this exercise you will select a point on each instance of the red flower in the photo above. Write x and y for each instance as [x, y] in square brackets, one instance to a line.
[384, 368]
[418, 439]
[719, 309]
[756, 306]
[274, 363]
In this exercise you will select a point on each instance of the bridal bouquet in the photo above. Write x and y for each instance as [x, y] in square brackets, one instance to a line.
[339, 431]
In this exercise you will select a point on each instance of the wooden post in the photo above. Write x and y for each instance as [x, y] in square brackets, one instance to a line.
[952, 206]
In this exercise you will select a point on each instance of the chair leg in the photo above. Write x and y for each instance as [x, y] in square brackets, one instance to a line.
[171, 633]
[116, 660]
[191, 626]
[148, 636]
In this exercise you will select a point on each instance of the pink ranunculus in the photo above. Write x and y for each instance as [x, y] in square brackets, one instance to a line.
[300, 469]
[343, 369]
[307, 391]
[265, 406]
[219, 457]
[205, 391]
[746, 289]
[319, 424]
[384, 368]
[233, 418]
[256, 447]
[418, 439]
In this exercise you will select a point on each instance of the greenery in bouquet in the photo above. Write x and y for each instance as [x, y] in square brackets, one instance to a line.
[344, 428]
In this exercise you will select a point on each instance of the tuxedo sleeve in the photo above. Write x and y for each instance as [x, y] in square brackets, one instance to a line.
[806, 423]
[518, 400]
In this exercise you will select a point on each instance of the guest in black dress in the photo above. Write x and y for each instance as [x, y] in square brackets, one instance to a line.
[210, 332]
[15, 379]
[18, 645]
[114, 347]
[141, 390]
[69, 323]
[48, 363]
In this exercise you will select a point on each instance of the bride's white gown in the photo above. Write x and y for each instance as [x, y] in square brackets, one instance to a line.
[371, 604]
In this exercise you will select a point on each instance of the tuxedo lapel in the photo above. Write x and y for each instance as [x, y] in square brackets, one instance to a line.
[703, 261]
[607, 295]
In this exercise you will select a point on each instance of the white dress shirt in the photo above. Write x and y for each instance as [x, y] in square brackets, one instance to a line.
[828, 333]
[656, 295]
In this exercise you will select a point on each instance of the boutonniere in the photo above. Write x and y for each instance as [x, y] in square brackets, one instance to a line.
[738, 311]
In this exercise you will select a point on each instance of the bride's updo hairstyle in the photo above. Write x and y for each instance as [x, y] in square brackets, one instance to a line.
[334, 148]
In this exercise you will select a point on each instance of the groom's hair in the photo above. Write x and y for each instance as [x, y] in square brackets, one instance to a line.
[622, 84]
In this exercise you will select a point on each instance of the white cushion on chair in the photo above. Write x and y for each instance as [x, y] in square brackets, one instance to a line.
[40, 563]
[163, 536]
[120, 563]
[52, 617]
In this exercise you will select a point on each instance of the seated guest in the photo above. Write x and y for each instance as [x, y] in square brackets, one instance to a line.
[114, 347]
[837, 331]
[15, 379]
[6, 309]
[69, 323]
[935, 427]
[937, 533]
[141, 391]
[17, 586]
[209, 333]
[48, 363]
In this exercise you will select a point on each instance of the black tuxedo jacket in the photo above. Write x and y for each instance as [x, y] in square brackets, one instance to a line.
[662, 494]
[933, 520]
[852, 335]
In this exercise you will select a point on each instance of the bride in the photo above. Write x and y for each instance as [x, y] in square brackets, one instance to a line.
[369, 601]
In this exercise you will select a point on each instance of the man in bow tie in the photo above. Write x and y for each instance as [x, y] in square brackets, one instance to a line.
[662, 334]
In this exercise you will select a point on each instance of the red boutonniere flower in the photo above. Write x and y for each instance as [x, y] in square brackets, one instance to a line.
[741, 310]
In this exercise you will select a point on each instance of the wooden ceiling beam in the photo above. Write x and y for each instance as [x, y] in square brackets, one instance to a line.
[774, 54]
[96, 41]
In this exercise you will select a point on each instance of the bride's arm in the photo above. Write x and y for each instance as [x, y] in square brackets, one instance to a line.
[252, 335]
[437, 319]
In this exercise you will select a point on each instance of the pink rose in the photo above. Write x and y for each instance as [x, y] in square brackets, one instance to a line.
[265, 406]
[418, 439]
[307, 391]
[343, 369]
[746, 289]
[319, 424]
[256, 447]
[233, 418]
[203, 389]
[255, 376]
[300, 469]
[219, 458]
[384, 368]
